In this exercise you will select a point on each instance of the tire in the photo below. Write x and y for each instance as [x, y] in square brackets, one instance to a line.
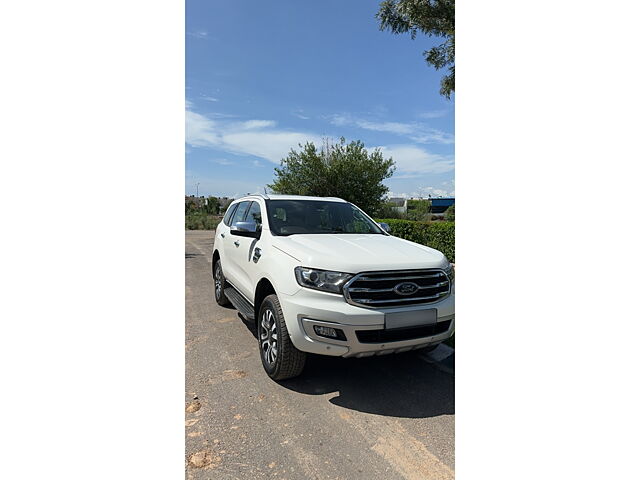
[219, 284]
[285, 360]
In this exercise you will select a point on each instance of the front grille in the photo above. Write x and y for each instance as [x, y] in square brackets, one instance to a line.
[400, 334]
[381, 289]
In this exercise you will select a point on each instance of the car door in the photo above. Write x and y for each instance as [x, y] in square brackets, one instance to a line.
[243, 250]
[222, 232]
[231, 244]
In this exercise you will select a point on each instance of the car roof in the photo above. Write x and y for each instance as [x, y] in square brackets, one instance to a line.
[288, 197]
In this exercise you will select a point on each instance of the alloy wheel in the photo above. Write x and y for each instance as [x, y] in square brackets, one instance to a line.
[269, 337]
[218, 280]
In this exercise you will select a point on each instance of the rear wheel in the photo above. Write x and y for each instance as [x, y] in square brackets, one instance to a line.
[219, 284]
[280, 358]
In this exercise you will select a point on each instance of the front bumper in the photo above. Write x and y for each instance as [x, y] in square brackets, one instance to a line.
[307, 308]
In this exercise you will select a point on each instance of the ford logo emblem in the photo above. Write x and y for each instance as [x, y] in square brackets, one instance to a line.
[406, 288]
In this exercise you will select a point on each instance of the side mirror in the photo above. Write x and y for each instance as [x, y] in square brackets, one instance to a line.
[245, 229]
[385, 227]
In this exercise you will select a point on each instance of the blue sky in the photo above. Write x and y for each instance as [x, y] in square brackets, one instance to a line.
[262, 77]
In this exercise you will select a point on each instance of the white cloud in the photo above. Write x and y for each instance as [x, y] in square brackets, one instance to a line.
[412, 160]
[200, 130]
[208, 98]
[300, 114]
[423, 192]
[434, 192]
[199, 33]
[271, 145]
[398, 195]
[392, 127]
[432, 135]
[262, 139]
[259, 138]
[433, 114]
[415, 131]
[223, 161]
[255, 124]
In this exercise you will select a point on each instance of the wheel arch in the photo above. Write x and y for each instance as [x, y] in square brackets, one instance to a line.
[264, 288]
[214, 259]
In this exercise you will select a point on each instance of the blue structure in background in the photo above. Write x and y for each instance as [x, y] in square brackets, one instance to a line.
[439, 205]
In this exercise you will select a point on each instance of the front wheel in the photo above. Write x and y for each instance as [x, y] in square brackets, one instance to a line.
[219, 283]
[280, 358]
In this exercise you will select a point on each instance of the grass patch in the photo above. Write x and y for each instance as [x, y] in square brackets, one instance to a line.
[201, 221]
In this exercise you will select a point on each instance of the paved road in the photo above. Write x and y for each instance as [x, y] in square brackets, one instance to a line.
[388, 417]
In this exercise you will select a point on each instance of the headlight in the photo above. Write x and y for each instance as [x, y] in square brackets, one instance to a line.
[321, 279]
[451, 272]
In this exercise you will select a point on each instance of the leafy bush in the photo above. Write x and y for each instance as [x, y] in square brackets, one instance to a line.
[438, 235]
[442, 236]
[190, 206]
[418, 210]
[450, 214]
[389, 210]
[200, 221]
[212, 206]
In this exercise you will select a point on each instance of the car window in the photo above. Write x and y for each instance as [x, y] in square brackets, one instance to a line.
[254, 214]
[227, 216]
[280, 214]
[289, 217]
[240, 212]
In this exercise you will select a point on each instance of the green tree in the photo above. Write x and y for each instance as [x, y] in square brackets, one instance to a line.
[342, 170]
[431, 17]
[450, 214]
[390, 210]
[212, 206]
[190, 205]
[419, 210]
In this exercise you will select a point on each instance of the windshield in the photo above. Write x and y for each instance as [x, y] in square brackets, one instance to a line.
[288, 217]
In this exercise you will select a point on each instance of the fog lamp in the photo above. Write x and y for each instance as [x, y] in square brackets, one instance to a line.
[325, 331]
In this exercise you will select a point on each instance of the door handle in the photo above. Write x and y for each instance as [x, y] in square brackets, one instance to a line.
[236, 243]
[222, 235]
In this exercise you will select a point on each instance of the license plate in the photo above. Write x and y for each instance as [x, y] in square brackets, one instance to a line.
[413, 318]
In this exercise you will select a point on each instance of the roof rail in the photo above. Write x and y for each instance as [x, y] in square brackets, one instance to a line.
[261, 195]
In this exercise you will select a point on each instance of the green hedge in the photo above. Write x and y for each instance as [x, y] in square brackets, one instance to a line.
[438, 235]
[200, 221]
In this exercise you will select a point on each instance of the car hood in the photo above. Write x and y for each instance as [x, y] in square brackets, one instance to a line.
[353, 253]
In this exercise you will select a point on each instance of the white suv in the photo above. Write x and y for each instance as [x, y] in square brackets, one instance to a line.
[318, 275]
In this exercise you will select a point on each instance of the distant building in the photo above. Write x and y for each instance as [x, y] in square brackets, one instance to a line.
[224, 202]
[197, 201]
[439, 205]
[399, 204]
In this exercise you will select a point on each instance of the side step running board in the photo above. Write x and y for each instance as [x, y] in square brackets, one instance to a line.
[239, 303]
